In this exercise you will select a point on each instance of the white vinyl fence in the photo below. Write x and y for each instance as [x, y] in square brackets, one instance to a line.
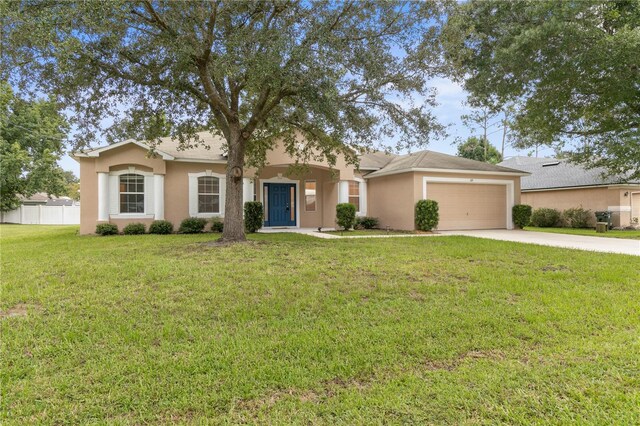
[43, 215]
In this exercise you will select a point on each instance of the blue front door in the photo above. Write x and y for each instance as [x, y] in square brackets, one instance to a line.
[281, 204]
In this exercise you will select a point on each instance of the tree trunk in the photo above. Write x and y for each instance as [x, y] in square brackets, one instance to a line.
[233, 209]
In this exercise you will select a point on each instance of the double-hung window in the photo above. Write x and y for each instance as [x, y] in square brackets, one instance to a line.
[131, 193]
[208, 194]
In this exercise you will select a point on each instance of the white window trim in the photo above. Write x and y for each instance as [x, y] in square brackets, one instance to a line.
[509, 188]
[343, 194]
[148, 194]
[282, 180]
[193, 194]
[305, 196]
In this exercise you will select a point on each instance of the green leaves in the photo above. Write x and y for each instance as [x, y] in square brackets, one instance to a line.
[32, 135]
[572, 70]
[479, 149]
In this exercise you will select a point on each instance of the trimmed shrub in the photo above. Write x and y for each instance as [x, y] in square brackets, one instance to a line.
[367, 222]
[253, 216]
[134, 229]
[161, 227]
[427, 215]
[192, 225]
[545, 218]
[106, 229]
[578, 217]
[521, 215]
[217, 225]
[345, 215]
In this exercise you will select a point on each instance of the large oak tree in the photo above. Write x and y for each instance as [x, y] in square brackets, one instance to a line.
[341, 73]
[571, 68]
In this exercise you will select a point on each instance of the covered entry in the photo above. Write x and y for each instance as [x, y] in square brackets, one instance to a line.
[280, 204]
[471, 203]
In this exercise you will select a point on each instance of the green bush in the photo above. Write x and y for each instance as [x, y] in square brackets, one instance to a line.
[217, 225]
[427, 215]
[521, 215]
[578, 217]
[134, 229]
[545, 218]
[161, 227]
[106, 229]
[346, 215]
[192, 225]
[253, 216]
[367, 222]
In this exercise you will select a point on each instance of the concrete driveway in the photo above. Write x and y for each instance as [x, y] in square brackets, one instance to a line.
[580, 242]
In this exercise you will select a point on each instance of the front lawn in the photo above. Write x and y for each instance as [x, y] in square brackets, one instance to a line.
[289, 329]
[631, 235]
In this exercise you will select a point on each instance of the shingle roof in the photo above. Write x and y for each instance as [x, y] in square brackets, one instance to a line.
[437, 160]
[547, 173]
[208, 147]
[375, 160]
[211, 147]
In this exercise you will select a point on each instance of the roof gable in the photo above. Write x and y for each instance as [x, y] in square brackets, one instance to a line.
[436, 161]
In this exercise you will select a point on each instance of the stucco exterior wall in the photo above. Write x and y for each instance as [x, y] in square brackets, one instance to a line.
[279, 157]
[88, 196]
[176, 188]
[391, 200]
[593, 199]
[132, 155]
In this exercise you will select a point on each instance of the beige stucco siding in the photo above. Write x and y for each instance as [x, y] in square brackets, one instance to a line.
[593, 199]
[176, 188]
[130, 155]
[88, 196]
[391, 200]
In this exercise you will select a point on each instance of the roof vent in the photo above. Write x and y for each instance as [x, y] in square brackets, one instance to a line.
[555, 163]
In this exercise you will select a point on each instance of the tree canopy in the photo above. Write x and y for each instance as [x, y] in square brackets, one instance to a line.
[341, 73]
[571, 68]
[479, 149]
[32, 137]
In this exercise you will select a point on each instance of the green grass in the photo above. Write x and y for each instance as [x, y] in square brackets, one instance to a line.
[631, 235]
[289, 329]
[361, 232]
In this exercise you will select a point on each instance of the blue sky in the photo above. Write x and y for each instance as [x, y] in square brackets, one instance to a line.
[450, 97]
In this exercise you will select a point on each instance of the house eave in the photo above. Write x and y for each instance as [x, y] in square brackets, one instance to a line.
[433, 170]
[97, 151]
[562, 188]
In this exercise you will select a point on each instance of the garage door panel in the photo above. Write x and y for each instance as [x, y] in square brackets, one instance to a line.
[469, 206]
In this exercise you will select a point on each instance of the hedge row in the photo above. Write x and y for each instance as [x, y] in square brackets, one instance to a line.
[253, 219]
[576, 217]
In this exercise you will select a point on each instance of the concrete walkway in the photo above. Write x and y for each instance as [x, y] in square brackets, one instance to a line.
[581, 242]
[313, 232]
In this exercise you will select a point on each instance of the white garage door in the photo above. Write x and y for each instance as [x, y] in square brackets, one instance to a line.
[469, 206]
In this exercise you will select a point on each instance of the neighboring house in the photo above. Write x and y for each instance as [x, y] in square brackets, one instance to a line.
[562, 185]
[122, 183]
[41, 209]
[44, 199]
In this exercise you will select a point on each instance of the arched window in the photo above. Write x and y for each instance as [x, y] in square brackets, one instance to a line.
[208, 194]
[131, 193]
